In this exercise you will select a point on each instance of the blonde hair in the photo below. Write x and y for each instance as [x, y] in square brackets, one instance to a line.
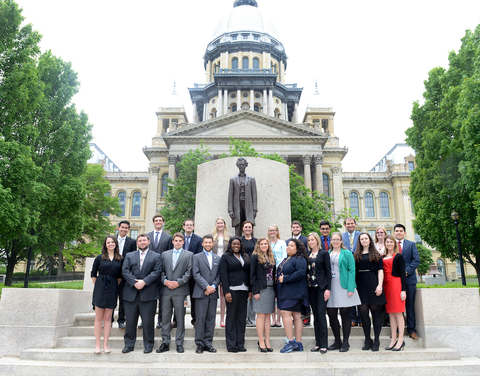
[385, 231]
[261, 256]
[317, 238]
[395, 247]
[226, 236]
[342, 246]
[276, 228]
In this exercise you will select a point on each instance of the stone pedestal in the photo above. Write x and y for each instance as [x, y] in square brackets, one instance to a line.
[430, 281]
[87, 279]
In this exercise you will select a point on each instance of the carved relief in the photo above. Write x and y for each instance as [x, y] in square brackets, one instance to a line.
[318, 159]
[336, 170]
[306, 159]
[154, 169]
[172, 159]
[405, 192]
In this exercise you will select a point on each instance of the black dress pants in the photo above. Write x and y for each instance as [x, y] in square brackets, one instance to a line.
[236, 320]
[319, 308]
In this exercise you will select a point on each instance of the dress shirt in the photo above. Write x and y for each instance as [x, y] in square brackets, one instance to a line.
[158, 235]
[187, 242]
[210, 262]
[121, 244]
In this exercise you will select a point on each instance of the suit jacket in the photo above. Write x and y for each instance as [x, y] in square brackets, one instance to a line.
[129, 246]
[323, 270]
[164, 243]
[150, 273]
[181, 273]
[302, 238]
[232, 273]
[346, 240]
[412, 260]
[398, 269]
[294, 284]
[195, 244]
[258, 275]
[204, 276]
[346, 264]
[250, 199]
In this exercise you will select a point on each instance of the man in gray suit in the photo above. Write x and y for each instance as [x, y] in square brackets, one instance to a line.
[176, 271]
[159, 242]
[207, 279]
[141, 271]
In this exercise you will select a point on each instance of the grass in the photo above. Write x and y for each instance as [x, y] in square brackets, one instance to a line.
[74, 285]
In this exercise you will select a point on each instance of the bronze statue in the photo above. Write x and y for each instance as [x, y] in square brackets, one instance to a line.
[242, 197]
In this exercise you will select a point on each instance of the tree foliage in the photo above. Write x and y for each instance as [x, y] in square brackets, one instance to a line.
[425, 260]
[43, 144]
[446, 138]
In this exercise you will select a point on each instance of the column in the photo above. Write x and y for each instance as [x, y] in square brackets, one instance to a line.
[407, 213]
[152, 196]
[270, 103]
[209, 71]
[195, 113]
[307, 173]
[220, 103]
[337, 189]
[295, 113]
[172, 160]
[318, 160]
[285, 111]
[264, 100]
[281, 72]
[239, 100]
[225, 101]
[252, 99]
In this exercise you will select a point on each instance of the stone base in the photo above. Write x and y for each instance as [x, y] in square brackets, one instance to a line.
[430, 281]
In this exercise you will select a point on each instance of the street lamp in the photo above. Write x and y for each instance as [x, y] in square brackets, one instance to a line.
[455, 216]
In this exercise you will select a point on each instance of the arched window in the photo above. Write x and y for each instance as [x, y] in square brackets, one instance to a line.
[274, 68]
[235, 63]
[217, 67]
[354, 203]
[441, 267]
[369, 207]
[245, 63]
[122, 199]
[384, 205]
[234, 107]
[326, 186]
[256, 108]
[256, 63]
[136, 204]
[164, 185]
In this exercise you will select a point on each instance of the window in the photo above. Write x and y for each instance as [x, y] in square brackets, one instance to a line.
[164, 185]
[354, 204]
[122, 199]
[166, 124]
[106, 213]
[244, 36]
[274, 68]
[384, 206]
[369, 207]
[372, 234]
[234, 63]
[136, 204]
[256, 37]
[134, 234]
[256, 63]
[245, 63]
[389, 232]
[234, 107]
[234, 37]
[256, 108]
[217, 68]
[411, 166]
[457, 265]
[418, 239]
[326, 187]
[441, 267]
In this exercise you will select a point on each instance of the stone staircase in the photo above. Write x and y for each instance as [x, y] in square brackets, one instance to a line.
[74, 356]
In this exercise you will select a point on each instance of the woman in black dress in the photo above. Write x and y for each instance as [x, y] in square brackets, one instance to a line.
[235, 278]
[249, 242]
[369, 279]
[106, 276]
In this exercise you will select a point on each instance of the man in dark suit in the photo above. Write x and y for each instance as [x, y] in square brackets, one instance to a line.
[176, 272]
[409, 251]
[350, 239]
[193, 243]
[141, 271]
[325, 237]
[126, 245]
[206, 274]
[297, 234]
[159, 242]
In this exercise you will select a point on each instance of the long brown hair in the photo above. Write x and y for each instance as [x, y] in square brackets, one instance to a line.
[373, 254]
[116, 251]
[261, 256]
[395, 247]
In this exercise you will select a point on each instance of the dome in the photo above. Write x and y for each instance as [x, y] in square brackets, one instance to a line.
[245, 17]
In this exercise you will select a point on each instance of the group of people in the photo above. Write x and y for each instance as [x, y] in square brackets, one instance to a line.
[273, 279]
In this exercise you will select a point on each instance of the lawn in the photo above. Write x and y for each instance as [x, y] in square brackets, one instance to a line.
[75, 285]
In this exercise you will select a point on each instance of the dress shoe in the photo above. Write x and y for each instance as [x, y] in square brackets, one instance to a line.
[174, 325]
[400, 348]
[107, 351]
[210, 349]
[97, 351]
[323, 351]
[315, 349]
[414, 336]
[163, 347]
[121, 325]
[159, 325]
[242, 349]
[335, 346]
[345, 347]
[232, 350]
[180, 349]
[368, 344]
[354, 323]
[127, 349]
[390, 347]
[269, 349]
[199, 349]
[147, 350]
[376, 346]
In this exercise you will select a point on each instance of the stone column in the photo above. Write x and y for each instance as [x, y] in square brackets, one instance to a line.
[152, 196]
[295, 114]
[407, 212]
[285, 111]
[239, 99]
[252, 99]
[318, 160]
[264, 100]
[209, 71]
[270, 103]
[172, 160]
[307, 173]
[337, 189]
[225, 101]
[220, 103]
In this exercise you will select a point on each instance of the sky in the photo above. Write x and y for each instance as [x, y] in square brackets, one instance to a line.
[370, 59]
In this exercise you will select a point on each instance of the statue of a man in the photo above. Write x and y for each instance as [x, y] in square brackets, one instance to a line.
[242, 197]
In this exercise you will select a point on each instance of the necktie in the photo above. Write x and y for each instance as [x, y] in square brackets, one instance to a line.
[142, 257]
[400, 246]
[326, 244]
[120, 245]
[156, 239]
[175, 258]
[187, 243]
[351, 241]
[209, 258]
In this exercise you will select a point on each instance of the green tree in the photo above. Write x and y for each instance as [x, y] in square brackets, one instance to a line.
[425, 260]
[43, 144]
[180, 198]
[446, 138]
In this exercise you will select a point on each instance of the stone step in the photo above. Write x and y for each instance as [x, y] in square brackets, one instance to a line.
[252, 356]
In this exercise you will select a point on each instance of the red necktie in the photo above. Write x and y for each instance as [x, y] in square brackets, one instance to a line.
[326, 244]
[400, 246]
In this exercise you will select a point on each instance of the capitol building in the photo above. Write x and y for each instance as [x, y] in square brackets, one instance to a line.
[246, 97]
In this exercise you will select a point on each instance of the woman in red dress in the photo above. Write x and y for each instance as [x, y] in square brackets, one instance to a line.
[395, 291]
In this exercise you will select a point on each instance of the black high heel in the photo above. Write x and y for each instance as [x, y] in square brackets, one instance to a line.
[262, 349]
[368, 344]
[389, 348]
[400, 348]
